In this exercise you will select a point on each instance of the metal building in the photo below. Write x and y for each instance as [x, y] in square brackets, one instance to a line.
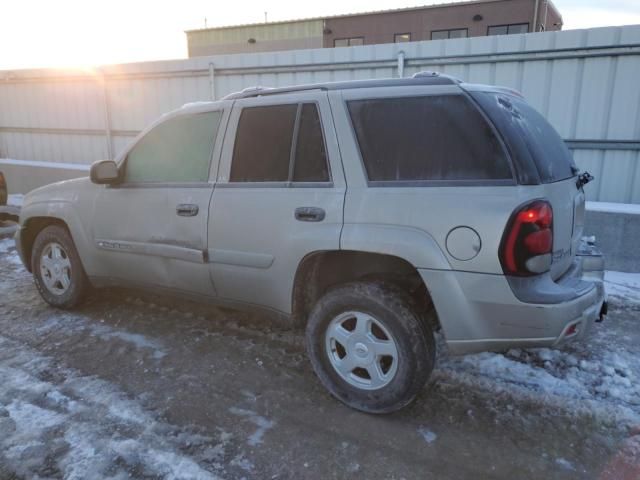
[434, 22]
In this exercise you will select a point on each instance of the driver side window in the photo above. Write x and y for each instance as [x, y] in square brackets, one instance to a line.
[178, 150]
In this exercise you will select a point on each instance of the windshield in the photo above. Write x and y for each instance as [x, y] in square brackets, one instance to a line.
[529, 137]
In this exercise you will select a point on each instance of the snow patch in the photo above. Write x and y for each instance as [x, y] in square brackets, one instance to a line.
[88, 426]
[41, 164]
[262, 423]
[566, 464]
[139, 341]
[610, 207]
[599, 376]
[427, 435]
[72, 323]
[597, 379]
[6, 245]
[30, 418]
[15, 199]
[624, 285]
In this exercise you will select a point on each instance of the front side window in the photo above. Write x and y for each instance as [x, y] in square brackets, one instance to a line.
[265, 140]
[428, 138]
[178, 150]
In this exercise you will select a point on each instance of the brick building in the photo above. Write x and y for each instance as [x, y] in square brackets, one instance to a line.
[433, 22]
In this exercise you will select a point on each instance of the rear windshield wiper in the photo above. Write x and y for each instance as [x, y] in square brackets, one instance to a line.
[583, 179]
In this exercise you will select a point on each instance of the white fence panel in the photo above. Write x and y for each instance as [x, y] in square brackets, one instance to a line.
[584, 81]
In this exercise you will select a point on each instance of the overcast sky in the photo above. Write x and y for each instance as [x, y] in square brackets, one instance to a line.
[82, 33]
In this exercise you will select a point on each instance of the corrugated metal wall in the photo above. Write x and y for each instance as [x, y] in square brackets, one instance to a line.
[586, 82]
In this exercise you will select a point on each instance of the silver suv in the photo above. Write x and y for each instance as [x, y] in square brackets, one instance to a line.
[373, 213]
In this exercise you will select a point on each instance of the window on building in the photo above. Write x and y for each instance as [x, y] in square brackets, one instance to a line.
[427, 138]
[178, 150]
[264, 139]
[402, 37]
[459, 33]
[508, 29]
[348, 42]
[453, 33]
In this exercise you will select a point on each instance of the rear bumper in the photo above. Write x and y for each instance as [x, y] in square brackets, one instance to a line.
[480, 312]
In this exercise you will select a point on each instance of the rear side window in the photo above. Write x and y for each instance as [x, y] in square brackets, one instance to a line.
[428, 138]
[533, 142]
[311, 157]
[262, 149]
[267, 136]
[178, 150]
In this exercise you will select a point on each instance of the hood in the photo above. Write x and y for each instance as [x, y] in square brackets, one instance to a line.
[65, 191]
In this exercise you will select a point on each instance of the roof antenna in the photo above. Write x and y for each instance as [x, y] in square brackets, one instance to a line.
[265, 17]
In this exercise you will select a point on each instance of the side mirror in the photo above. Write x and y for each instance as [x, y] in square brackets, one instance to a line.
[104, 172]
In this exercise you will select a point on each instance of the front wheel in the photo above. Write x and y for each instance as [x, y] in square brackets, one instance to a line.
[369, 347]
[57, 269]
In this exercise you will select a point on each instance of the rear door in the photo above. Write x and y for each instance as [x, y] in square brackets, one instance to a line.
[279, 196]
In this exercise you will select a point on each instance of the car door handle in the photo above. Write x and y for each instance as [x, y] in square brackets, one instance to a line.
[187, 210]
[309, 214]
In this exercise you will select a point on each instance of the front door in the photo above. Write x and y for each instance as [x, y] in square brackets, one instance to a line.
[279, 196]
[151, 229]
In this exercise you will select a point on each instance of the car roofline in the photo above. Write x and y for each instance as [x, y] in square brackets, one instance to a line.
[426, 78]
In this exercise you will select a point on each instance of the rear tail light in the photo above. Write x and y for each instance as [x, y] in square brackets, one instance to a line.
[527, 241]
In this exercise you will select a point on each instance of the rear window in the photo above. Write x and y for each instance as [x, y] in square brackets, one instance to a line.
[428, 138]
[530, 138]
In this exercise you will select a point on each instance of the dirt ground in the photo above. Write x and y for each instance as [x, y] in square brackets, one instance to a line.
[135, 386]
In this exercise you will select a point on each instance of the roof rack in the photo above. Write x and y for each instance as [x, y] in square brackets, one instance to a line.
[420, 78]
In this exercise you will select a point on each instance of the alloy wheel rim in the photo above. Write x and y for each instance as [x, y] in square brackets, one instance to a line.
[361, 350]
[55, 268]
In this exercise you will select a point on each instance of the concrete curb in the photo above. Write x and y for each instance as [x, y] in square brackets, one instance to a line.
[618, 236]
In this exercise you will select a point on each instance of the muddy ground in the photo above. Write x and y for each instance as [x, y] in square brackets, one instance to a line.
[135, 386]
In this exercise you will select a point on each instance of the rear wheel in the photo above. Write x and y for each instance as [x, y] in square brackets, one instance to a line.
[57, 269]
[369, 347]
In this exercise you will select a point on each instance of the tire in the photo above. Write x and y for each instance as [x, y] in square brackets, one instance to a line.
[61, 280]
[367, 347]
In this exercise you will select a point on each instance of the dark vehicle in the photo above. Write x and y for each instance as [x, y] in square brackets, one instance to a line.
[3, 190]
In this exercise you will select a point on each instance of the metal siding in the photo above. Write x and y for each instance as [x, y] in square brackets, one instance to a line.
[59, 116]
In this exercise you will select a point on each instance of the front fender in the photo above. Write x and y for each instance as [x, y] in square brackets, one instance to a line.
[411, 244]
